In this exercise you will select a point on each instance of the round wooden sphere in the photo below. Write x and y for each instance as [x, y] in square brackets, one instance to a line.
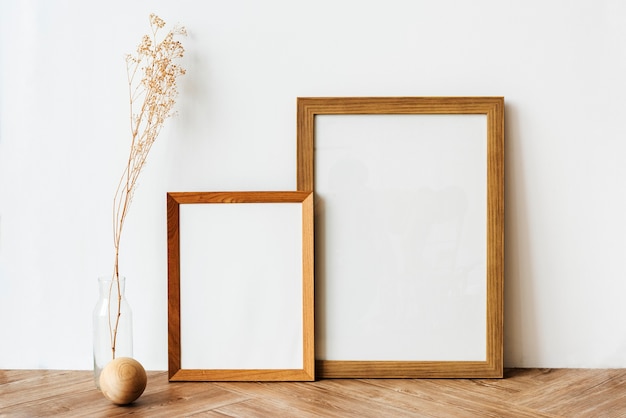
[123, 380]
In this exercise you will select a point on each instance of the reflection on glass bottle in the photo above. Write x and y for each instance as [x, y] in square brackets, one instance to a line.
[112, 333]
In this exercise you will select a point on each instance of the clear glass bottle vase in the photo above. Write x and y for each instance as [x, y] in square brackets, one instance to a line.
[112, 333]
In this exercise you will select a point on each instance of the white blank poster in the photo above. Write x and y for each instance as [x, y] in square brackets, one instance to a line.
[241, 286]
[401, 221]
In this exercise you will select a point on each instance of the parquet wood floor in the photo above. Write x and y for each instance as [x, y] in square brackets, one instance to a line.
[522, 393]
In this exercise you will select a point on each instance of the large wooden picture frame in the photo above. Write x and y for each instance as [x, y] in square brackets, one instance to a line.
[425, 174]
[240, 286]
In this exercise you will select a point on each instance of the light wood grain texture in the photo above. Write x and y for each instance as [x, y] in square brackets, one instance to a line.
[523, 393]
[493, 108]
[176, 372]
[123, 380]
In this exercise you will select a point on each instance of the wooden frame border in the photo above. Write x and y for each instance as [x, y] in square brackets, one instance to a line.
[174, 200]
[493, 108]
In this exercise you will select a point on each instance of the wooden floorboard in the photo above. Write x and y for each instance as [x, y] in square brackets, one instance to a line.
[522, 393]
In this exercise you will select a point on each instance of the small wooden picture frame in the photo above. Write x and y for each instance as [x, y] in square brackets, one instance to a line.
[409, 234]
[240, 286]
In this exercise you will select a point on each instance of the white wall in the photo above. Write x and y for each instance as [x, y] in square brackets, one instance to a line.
[560, 65]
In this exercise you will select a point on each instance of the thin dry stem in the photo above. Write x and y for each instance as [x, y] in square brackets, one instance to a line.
[151, 99]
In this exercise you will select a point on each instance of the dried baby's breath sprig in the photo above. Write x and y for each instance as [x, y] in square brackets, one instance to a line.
[152, 74]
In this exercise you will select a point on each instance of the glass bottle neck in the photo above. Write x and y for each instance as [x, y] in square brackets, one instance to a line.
[109, 286]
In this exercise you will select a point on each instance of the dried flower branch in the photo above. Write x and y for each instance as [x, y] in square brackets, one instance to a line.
[152, 98]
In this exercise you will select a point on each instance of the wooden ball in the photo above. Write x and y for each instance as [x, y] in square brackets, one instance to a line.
[123, 380]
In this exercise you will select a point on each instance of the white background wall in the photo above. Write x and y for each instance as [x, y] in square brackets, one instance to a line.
[560, 64]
